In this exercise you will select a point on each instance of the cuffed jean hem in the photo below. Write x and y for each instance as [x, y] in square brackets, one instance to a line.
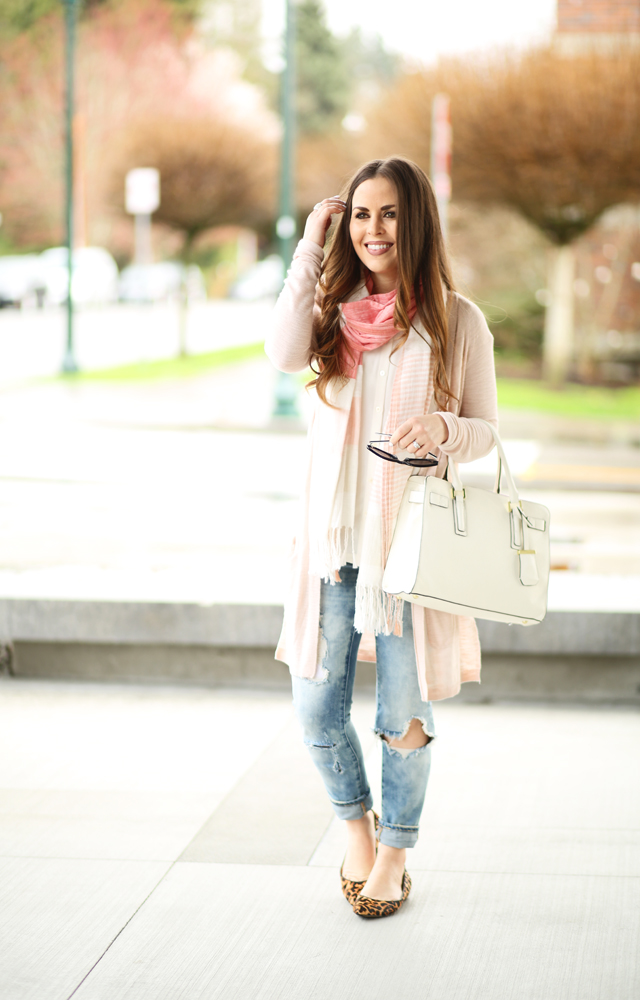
[353, 810]
[398, 836]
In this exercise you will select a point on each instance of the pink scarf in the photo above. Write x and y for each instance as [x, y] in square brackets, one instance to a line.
[368, 324]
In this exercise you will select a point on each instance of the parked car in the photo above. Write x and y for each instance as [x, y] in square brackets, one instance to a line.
[160, 282]
[20, 281]
[263, 280]
[94, 279]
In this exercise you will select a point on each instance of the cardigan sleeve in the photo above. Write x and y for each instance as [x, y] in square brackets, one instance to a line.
[288, 344]
[469, 438]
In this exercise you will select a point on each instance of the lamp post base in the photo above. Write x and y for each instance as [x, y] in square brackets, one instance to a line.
[69, 366]
[285, 396]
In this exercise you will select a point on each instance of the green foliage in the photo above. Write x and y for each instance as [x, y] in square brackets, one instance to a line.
[331, 71]
[20, 15]
[367, 61]
[516, 320]
[322, 79]
[17, 16]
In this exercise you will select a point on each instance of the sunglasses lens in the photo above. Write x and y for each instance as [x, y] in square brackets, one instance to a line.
[381, 453]
[420, 463]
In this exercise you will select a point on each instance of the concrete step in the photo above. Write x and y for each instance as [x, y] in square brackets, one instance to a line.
[571, 655]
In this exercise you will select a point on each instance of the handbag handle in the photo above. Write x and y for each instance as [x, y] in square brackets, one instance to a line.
[503, 466]
[528, 571]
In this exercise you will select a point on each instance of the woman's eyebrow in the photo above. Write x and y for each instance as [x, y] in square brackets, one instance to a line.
[362, 208]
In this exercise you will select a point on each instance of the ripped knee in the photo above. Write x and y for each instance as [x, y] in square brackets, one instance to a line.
[415, 737]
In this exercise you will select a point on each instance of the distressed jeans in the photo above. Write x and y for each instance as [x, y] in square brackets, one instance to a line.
[323, 708]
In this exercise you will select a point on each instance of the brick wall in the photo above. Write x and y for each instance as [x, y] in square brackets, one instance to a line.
[601, 16]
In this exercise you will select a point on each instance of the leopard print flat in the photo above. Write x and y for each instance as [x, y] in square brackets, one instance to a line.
[351, 889]
[369, 908]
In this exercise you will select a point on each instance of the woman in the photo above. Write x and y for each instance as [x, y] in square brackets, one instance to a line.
[396, 351]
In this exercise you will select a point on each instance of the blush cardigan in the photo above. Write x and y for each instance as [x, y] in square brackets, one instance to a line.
[445, 656]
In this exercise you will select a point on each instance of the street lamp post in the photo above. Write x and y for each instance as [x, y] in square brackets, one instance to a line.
[286, 385]
[71, 6]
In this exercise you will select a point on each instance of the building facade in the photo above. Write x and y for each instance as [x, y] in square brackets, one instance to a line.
[597, 24]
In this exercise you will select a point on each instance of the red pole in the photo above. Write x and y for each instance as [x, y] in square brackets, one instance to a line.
[441, 157]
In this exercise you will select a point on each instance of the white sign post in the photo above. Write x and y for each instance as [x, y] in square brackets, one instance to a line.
[142, 198]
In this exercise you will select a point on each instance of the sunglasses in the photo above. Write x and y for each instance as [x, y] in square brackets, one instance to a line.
[422, 463]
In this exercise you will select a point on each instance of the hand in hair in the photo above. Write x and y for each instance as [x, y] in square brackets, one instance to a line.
[320, 219]
[429, 432]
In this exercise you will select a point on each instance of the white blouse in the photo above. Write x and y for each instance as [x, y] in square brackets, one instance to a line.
[377, 383]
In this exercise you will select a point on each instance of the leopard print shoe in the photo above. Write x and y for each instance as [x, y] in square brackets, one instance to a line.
[351, 889]
[369, 908]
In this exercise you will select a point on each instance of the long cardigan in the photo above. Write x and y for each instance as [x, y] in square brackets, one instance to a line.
[447, 646]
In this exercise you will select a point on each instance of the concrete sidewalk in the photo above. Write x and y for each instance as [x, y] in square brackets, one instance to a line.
[165, 842]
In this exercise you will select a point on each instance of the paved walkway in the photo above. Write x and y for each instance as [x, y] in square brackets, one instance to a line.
[159, 843]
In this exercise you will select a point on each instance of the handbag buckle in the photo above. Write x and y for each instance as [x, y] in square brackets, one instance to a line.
[459, 512]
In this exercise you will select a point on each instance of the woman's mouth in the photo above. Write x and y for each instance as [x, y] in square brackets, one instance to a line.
[378, 248]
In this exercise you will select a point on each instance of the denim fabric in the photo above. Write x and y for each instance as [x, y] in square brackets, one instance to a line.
[323, 708]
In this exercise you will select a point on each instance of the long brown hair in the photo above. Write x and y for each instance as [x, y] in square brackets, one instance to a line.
[423, 270]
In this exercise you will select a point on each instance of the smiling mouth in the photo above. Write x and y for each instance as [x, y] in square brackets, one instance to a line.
[378, 248]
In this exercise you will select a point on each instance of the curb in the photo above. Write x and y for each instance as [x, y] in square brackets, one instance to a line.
[568, 633]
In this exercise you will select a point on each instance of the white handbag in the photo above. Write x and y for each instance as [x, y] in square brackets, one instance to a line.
[471, 551]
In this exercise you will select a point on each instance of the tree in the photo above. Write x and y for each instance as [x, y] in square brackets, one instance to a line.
[335, 76]
[213, 172]
[132, 58]
[17, 16]
[323, 87]
[334, 72]
[324, 163]
[555, 139]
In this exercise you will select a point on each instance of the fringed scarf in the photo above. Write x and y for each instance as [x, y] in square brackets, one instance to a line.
[368, 324]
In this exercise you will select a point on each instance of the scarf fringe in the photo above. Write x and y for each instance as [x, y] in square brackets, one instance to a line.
[377, 611]
[335, 551]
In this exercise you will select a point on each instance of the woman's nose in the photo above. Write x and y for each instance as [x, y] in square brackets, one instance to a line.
[376, 226]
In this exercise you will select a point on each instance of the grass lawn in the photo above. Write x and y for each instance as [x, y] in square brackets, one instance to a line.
[169, 368]
[572, 401]
[513, 393]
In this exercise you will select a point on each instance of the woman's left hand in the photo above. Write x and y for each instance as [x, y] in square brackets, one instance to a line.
[427, 432]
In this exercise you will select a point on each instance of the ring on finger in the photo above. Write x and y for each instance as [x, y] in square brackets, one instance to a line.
[317, 206]
[414, 444]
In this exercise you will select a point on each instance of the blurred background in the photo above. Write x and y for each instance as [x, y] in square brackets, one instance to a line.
[157, 161]
[175, 148]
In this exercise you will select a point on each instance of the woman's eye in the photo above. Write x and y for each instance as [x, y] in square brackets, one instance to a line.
[361, 215]
[391, 214]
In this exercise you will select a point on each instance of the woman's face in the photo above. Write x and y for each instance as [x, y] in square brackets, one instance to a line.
[372, 228]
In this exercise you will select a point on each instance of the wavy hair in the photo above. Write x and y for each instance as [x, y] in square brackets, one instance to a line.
[423, 272]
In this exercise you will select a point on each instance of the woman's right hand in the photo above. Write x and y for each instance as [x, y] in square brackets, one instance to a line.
[320, 219]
